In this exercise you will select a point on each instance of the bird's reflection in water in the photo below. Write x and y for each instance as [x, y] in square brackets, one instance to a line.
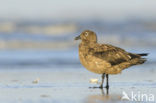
[103, 93]
[103, 97]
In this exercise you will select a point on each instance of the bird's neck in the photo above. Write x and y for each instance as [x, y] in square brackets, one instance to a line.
[88, 43]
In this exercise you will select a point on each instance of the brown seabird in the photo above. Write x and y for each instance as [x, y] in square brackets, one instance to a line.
[105, 59]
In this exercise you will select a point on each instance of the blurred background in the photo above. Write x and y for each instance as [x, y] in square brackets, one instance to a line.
[40, 33]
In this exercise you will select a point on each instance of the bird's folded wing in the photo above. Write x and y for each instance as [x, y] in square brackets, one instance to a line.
[111, 54]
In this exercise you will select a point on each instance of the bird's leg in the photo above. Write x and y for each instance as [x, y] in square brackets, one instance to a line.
[107, 84]
[103, 77]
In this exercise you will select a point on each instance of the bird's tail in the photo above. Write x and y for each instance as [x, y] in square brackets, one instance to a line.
[141, 61]
[143, 54]
[137, 58]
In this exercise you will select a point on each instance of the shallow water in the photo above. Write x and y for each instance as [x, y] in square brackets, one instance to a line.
[68, 85]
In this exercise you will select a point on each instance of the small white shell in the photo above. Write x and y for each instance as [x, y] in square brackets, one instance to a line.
[36, 80]
[94, 81]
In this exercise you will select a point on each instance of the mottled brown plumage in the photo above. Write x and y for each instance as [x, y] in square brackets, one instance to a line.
[104, 58]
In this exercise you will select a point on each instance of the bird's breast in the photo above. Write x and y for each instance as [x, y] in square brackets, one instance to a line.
[91, 62]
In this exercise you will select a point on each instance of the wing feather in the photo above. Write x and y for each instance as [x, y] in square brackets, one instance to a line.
[111, 54]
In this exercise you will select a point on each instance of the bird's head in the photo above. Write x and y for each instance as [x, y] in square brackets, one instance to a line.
[87, 36]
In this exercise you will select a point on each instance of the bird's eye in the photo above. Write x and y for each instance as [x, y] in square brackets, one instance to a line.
[86, 34]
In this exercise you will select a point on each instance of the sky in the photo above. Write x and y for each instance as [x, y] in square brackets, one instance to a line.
[77, 9]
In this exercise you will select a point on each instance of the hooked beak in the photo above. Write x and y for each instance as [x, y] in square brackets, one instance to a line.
[78, 37]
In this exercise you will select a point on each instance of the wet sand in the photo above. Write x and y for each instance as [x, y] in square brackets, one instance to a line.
[71, 85]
